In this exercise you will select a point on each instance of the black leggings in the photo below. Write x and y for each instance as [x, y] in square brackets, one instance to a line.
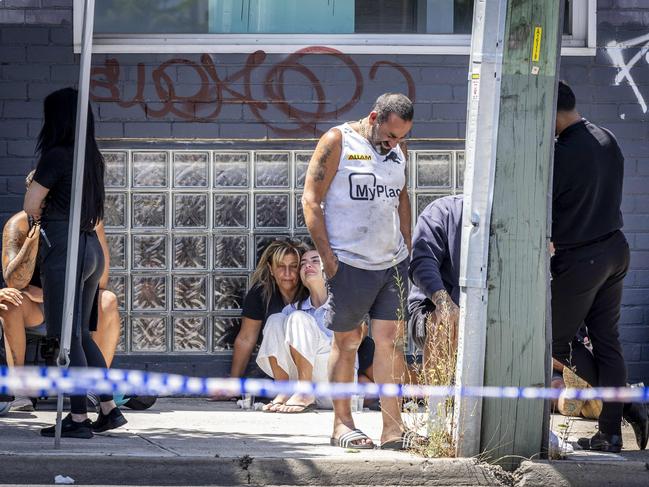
[83, 350]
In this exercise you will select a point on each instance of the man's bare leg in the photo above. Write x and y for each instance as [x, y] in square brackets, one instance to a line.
[108, 325]
[342, 360]
[389, 367]
[304, 372]
[278, 374]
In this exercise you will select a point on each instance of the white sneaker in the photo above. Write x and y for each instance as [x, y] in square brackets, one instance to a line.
[22, 403]
[4, 408]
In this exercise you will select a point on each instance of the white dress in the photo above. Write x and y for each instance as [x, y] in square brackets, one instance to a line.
[303, 330]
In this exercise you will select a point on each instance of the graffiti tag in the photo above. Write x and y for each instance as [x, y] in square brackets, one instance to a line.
[215, 90]
[615, 51]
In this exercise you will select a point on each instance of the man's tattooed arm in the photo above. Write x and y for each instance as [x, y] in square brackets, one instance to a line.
[322, 169]
[318, 170]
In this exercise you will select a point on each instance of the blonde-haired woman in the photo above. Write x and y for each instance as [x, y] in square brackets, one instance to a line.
[296, 343]
[274, 284]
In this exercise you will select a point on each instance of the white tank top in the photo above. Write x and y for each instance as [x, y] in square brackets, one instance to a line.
[361, 206]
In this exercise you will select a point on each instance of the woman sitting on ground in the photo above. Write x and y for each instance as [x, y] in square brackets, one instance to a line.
[296, 344]
[274, 284]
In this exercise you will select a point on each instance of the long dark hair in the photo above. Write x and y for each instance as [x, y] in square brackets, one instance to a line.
[59, 127]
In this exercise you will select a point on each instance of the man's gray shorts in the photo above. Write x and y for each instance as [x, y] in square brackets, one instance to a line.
[354, 293]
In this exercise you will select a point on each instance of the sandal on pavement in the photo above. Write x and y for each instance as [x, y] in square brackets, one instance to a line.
[346, 440]
[271, 404]
[305, 408]
[409, 439]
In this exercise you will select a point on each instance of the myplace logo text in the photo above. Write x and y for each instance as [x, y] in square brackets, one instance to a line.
[362, 186]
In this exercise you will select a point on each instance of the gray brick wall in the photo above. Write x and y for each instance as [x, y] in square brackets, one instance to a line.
[35, 41]
[35, 11]
[619, 108]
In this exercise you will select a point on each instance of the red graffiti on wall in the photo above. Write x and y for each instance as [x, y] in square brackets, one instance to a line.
[214, 90]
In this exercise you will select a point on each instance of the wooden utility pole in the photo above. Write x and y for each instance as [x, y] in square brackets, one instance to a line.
[512, 90]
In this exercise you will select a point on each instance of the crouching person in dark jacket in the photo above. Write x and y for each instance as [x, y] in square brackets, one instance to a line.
[435, 292]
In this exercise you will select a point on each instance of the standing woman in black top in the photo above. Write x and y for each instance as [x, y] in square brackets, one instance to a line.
[48, 202]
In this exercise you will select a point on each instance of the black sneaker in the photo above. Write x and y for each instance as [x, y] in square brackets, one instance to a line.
[636, 415]
[602, 442]
[70, 429]
[109, 421]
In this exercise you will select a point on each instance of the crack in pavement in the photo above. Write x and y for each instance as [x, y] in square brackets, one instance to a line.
[154, 443]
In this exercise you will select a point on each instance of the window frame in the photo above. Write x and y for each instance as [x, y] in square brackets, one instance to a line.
[581, 43]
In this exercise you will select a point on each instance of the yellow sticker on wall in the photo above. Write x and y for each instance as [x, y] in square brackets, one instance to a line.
[536, 47]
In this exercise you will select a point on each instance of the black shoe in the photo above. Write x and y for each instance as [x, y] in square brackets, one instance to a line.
[602, 442]
[109, 421]
[70, 429]
[140, 403]
[636, 415]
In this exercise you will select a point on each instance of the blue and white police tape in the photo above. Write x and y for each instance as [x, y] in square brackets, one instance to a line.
[48, 381]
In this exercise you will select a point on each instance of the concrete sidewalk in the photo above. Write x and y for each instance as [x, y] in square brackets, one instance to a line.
[196, 442]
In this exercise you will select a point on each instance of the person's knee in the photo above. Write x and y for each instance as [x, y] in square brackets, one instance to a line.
[299, 316]
[274, 332]
[275, 324]
[299, 321]
[277, 319]
[11, 311]
[348, 341]
[13, 316]
[388, 337]
[108, 301]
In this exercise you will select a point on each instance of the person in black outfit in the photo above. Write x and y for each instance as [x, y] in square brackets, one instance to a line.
[590, 261]
[48, 202]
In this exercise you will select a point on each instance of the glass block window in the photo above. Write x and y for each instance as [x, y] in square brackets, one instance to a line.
[434, 174]
[185, 230]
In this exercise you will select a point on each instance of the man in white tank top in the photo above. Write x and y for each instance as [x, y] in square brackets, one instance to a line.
[357, 210]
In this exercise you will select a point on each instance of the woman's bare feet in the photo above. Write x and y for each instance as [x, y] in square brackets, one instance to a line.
[276, 403]
[297, 403]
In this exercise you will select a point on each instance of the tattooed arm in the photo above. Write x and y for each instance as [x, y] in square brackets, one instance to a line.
[321, 171]
[405, 217]
[19, 249]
